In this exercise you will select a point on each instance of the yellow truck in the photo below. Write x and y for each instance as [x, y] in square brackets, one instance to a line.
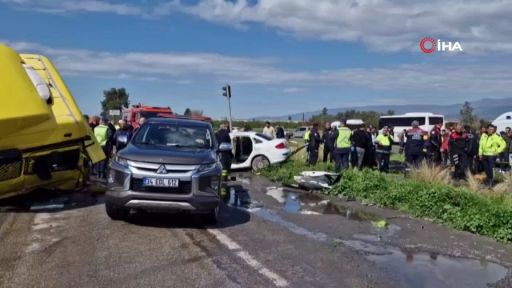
[44, 139]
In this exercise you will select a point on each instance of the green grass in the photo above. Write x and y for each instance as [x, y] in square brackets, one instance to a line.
[424, 194]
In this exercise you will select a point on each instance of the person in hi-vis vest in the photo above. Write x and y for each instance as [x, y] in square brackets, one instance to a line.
[103, 135]
[342, 146]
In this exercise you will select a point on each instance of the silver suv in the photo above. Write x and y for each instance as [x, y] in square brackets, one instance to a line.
[170, 165]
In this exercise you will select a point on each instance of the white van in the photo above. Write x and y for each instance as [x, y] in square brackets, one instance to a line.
[426, 120]
[351, 124]
[503, 121]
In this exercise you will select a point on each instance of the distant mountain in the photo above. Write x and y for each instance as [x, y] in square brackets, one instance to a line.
[486, 108]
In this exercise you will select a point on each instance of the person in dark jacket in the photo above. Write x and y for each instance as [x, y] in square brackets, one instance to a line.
[436, 142]
[247, 128]
[222, 136]
[504, 165]
[328, 142]
[414, 144]
[472, 149]
[314, 144]
[360, 141]
[113, 130]
[427, 149]
[95, 122]
[457, 147]
[383, 144]
[279, 132]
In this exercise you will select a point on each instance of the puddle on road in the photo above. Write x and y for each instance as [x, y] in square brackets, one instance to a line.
[307, 203]
[430, 270]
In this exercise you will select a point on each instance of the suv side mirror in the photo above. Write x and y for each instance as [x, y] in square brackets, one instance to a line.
[225, 147]
[122, 139]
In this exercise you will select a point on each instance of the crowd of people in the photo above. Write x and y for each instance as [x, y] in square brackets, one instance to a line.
[107, 133]
[466, 151]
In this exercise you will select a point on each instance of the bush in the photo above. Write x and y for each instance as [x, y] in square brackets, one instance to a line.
[489, 215]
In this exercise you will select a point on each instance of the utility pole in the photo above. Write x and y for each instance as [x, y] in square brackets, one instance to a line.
[227, 94]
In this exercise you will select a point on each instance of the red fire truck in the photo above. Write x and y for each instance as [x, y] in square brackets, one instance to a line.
[133, 114]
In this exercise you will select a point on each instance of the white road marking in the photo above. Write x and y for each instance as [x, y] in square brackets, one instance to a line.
[237, 250]
[43, 227]
[51, 206]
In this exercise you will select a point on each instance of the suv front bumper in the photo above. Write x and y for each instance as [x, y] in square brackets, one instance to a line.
[199, 191]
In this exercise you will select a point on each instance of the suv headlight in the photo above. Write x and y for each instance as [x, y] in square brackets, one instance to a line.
[121, 161]
[205, 167]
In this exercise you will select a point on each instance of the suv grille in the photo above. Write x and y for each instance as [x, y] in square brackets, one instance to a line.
[185, 187]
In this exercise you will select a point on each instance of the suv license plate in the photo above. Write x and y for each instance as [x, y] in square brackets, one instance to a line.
[160, 182]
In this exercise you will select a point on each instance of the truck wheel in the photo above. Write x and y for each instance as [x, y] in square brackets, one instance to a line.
[116, 213]
[212, 217]
[260, 162]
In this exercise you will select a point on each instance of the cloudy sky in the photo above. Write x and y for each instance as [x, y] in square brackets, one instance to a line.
[280, 56]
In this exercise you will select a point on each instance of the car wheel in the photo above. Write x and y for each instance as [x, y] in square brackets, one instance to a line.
[116, 213]
[212, 217]
[260, 162]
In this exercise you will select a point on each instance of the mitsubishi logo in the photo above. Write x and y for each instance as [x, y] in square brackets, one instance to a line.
[161, 170]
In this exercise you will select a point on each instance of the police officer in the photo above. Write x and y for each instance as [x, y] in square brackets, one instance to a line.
[328, 141]
[436, 143]
[491, 145]
[225, 157]
[314, 144]
[414, 144]
[457, 148]
[103, 135]
[383, 149]
[471, 149]
[342, 146]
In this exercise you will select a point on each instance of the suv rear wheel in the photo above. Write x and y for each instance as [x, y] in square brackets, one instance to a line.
[116, 213]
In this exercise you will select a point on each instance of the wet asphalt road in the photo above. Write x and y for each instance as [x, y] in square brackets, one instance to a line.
[270, 243]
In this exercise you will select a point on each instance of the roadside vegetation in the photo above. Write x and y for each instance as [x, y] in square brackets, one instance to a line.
[426, 192]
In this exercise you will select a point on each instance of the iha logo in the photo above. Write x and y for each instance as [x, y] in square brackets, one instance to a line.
[429, 45]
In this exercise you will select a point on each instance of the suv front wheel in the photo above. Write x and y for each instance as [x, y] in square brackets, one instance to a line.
[212, 217]
[116, 213]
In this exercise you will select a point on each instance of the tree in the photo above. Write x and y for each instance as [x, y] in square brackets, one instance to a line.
[466, 116]
[187, 113]
[289, 118]
[390, 112]
[115, 99]
[196, 112]
[324, 111]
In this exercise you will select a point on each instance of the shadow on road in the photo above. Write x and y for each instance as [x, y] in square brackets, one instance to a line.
[50, 201]
[228, 217]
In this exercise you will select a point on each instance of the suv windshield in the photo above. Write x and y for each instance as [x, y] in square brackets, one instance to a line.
[174, 136]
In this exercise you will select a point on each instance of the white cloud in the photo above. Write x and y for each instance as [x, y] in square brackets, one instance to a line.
[292, 90]
[428, 78]
[382, 25]
[61, 6]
